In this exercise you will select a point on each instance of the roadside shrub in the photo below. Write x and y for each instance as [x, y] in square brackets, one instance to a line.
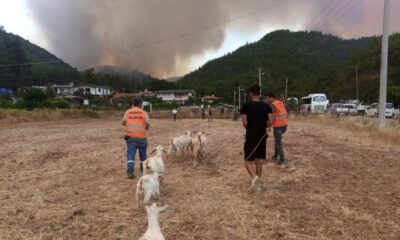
[60, 103]
[5, 103]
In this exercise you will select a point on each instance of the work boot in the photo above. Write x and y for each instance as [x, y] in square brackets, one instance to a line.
[130, 175]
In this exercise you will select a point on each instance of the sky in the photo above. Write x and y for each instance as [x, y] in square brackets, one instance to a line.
[172, 37]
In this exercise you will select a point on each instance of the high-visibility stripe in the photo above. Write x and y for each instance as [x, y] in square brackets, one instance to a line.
[281, 116]
[131, 161]
[136, 125]
[136, 131]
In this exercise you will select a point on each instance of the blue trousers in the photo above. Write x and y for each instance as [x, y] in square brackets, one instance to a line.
[134, 144]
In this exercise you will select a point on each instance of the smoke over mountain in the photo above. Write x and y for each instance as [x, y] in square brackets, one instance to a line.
[161, 37]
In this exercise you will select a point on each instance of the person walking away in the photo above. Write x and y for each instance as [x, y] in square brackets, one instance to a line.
[210, 112]
[280, 122]
[203, 112]
[136, 122]
[174, 112]
[256, 118]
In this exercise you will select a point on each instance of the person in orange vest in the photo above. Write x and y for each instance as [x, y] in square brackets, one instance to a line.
[280, 122]
[136, 122]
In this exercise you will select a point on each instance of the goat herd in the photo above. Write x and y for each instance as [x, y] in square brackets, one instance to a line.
[148, 186]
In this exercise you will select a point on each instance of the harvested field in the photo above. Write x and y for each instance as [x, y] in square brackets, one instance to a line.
[67, 180]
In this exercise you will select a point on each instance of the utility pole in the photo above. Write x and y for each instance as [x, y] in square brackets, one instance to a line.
[358, 101]
[234, 97]
[259, 79]
[384, 64]
[286, 89]
[239, 98]
[123, 94]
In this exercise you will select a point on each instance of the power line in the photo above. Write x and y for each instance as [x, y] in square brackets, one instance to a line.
[325, 7]
[344, 13]
[159, 41]
[332, 14]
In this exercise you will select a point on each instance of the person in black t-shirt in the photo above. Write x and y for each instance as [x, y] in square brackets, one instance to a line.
[256, 117]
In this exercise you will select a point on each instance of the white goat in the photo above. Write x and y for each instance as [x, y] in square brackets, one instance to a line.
[197, 144]
[153, 231]
[180, 144]
[147, 187]
[155, 163]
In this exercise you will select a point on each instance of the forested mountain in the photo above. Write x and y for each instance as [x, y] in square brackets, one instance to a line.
[310, 60]
[367, 62]
[112, 70]
[16, 50]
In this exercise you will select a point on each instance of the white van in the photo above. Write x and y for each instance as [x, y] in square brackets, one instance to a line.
[314, 103]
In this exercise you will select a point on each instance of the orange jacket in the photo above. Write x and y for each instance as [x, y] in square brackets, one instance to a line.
[136, 120]
[280, 115]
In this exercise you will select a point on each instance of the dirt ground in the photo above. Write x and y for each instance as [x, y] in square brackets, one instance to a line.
[67, 180]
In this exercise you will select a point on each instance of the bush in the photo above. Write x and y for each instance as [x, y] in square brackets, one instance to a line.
[5, 103]
[60, 103]
[164, 106]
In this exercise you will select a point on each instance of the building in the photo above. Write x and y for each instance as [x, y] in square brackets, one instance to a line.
[120, 97]
[89, 89]
[223, 108]
[209, 99]
[178, 96]
[93, 90]
[63, 90]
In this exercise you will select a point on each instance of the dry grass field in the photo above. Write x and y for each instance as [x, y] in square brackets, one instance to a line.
[67, 180]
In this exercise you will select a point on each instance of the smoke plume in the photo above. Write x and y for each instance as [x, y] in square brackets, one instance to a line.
[162, 36]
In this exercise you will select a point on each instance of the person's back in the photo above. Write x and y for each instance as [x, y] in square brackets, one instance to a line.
[174, 112]
[257, 117]
[136, 122]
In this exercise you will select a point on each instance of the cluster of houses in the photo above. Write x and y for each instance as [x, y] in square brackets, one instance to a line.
[69, 91]
[78, 95]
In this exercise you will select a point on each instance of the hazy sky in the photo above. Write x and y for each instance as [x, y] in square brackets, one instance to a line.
[172, 37]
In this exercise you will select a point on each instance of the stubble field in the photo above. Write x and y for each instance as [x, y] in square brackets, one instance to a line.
[67, 180]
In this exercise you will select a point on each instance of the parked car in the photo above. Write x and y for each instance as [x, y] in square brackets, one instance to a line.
[339, 109]
[390, 111]
[351, 109]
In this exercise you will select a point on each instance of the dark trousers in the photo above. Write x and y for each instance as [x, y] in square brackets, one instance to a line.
[174, 117]
[279, 154]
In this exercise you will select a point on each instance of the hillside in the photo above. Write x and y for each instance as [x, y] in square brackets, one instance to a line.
[367, 61]
[15, 50]
[140, 77]
[309, 60]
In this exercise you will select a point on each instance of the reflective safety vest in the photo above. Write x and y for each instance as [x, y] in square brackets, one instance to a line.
[280, 115]
[135, 122]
